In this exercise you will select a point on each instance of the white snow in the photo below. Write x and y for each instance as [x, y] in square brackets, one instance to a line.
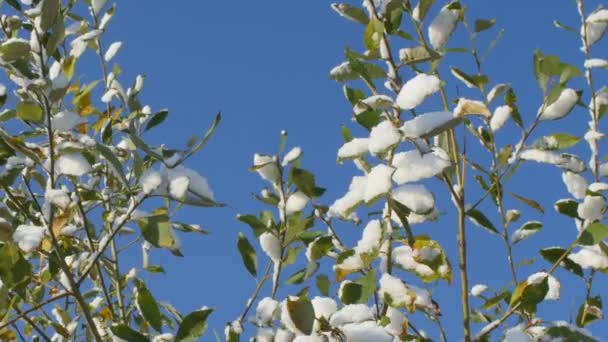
[378, 182]
[496, 91]
[266, 310]
[296, 202]
[561, 107]
[382, 137]
[365, 332]
[185, 183]
[271, 246]
[395, 327]
[428, 124]
[603, 170]
[598, 187]
[112, 51]
[150, 181]
[97, 5]
[65, 121]
[265, 335]
[590, 257]
[344, 205]
[592, 208]
[370, 239]
[28, 237]
[396, 289]
[412, 166]
[471, 107]
[58, 197]
[564, 161]
[500, 117]
[576, 184]
[414, 196]
[353, 149]
[352, 313]
[373, 102]
[517, 334]
[404, 257]
[166, 337]
[270, 170]
[442, 26]
[596, 24]
[324, 306]
[72, 164]
[292, 155]
[478, 289]
[596, 63]
[414, 91]
[309, 338]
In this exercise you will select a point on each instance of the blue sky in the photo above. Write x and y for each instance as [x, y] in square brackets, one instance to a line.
[265, 65]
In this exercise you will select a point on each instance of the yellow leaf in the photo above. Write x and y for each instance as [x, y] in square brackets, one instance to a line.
[471, 107]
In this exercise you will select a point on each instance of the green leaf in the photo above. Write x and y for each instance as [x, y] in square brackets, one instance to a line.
[492, 302]
[147, 306]
[369, 118]
[208, 134]
[567, 207]
[157, 230]
[124, 332]
[511, 101]
[320, 247]
[323, 284]
[373, 34]
[471, 81]
[353, 13]
[13, 50]
[49, 13]
[368, 286]
[116, 165]
[478, 218]
[593, 234]
[423, 8]
[302, 314]
[351, 293]
[557, 141]
[155, 269]
[15, 271]
[305, 182]
[529, 295]
[553, 254]
[531, 203]
[156, 119]
[484, 24]
[30, 111]
[525, 231]
[438, 264]
[590, 311]
[250, 258]
[193, 326]
[256, 225]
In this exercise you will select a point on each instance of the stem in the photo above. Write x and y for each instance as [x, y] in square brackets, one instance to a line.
[256, 292]
[23, 314]
[589, 76]
[33, 324]
[116, 280]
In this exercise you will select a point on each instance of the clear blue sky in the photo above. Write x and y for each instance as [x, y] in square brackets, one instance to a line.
[265, 65]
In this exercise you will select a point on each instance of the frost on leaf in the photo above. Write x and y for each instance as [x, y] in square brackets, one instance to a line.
[414, 91]
[500, 117]
[596, 24]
